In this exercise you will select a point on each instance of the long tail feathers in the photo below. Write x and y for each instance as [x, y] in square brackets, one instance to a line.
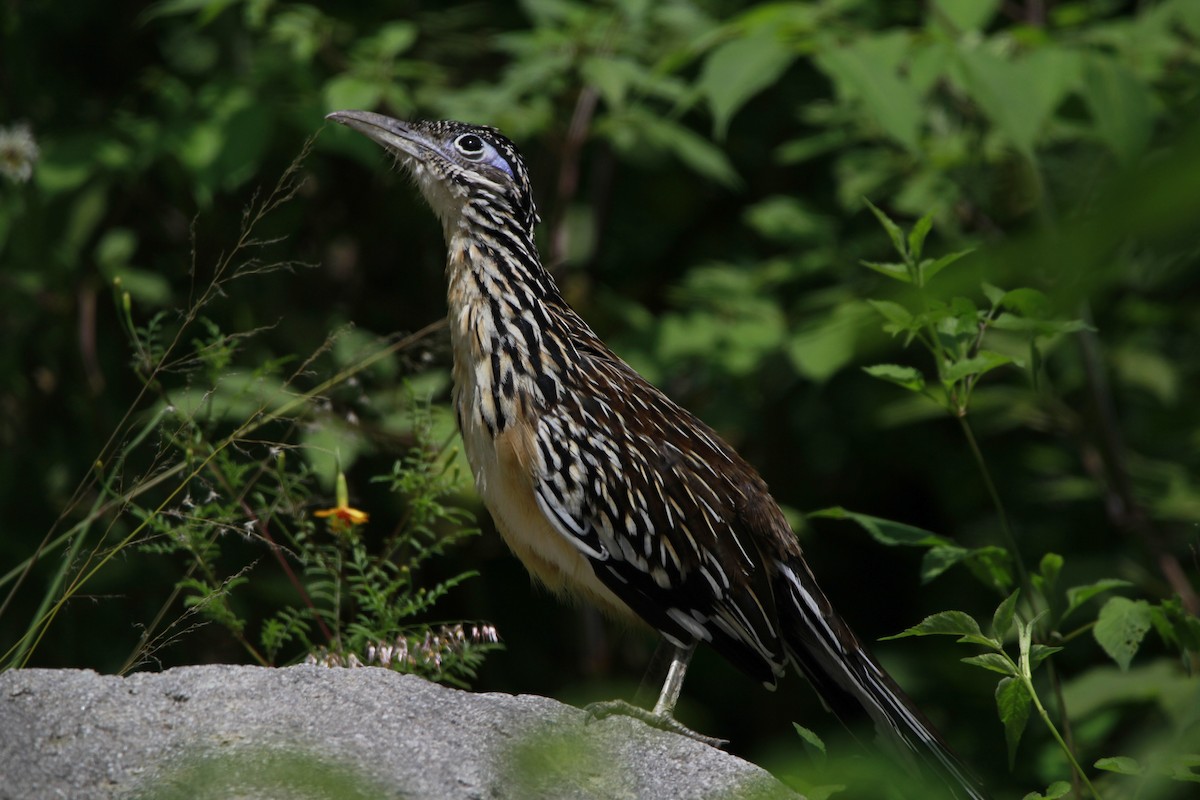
[852, 684]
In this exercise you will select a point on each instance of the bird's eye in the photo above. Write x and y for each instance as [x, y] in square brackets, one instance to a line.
[469, 145]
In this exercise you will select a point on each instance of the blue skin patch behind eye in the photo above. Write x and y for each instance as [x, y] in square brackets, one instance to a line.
[498, 161]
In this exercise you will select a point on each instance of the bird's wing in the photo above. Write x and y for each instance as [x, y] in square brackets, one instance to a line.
[629, 479]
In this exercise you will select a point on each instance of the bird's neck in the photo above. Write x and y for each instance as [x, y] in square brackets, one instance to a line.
[506, 326]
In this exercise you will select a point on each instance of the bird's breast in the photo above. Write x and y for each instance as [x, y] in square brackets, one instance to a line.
[499, 403]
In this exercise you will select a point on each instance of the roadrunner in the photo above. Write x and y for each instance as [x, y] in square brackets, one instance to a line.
[602, 485]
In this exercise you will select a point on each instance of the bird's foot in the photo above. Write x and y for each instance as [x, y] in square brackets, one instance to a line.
[664, 722]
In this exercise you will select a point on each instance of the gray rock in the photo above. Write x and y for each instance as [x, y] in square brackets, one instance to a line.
[315, 732]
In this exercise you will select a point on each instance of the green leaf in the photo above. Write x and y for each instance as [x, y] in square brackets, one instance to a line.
[1019, 95]
[897, 272]
[1002, 620]
[996, 662]
[985, 361]
[821, 349]
[928, 269]
[868, 70]
[949, 623]
[351, 91]
[939, 559]
[1121, 106]
[893, 230]
[1012, 702]
[885, 531]
[1049, 568]
[967, 15]
[1056, 790]
[1038, 327]
[1039, 653]
[610, 76]
[1026, 302]
[695, 151]
[908, 377]
[994, 294]
[810, 738]
[1120, 628]
[1122, 765]
[394, 38]
[916, 236]
[993, 566]
[1078, 595]
[900, 317]
[739, 69]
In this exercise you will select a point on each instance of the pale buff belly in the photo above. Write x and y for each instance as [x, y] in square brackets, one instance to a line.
[504, 468]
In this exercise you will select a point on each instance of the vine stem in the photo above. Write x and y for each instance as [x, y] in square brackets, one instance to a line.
[1037, 703]
[1010, 540]
[1026, 583]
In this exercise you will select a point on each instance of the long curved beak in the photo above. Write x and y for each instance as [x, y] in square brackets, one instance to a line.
[391, 133]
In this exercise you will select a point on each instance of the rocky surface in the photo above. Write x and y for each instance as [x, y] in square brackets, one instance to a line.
[315, 732]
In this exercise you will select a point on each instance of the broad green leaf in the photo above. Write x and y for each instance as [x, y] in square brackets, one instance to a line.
[916, 236]
[984, 362]
[610, 76]
[1120, 628]
[868, 70]
[993, 566]
[1056, 790]
[1155, 373]
[1027, 302]
[1038, 327]
[901, 318]
[893, 230]
[897, 272]
[696, 152]
[1002, 620]
[739, 69]
[967, 15]
[1156, 682]
[1012, 702]
[1078, 595]
[885, 531]
[1039, 653]
[393, 39]
[1049, 568]
[996, 662]
[939, 559]
[1175, 625]
[1019, 95]
[351, 91]
[115, 247]
[1121, 106]
[994, 294]
[820, 350]
[950, 623]
[928, 269]
[787, 219]
[908, 377]
[810, 737]
[1122, 765]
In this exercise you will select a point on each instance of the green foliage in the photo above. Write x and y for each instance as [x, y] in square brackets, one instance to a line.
[1008, 385]
[216, 448]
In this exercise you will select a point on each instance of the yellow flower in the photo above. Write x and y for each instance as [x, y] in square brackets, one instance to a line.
[342, 516]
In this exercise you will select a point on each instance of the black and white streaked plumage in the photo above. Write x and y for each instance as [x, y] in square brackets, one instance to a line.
[602, 485]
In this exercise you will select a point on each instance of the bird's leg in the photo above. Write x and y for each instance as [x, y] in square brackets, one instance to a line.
[661, 717]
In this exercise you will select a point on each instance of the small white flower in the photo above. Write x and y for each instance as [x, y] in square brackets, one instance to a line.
[18, 152]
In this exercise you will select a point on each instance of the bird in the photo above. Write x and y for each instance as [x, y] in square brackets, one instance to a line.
[604, 487]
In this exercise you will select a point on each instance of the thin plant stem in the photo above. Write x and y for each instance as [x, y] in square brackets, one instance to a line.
[1010, 540]
[1077, 769]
